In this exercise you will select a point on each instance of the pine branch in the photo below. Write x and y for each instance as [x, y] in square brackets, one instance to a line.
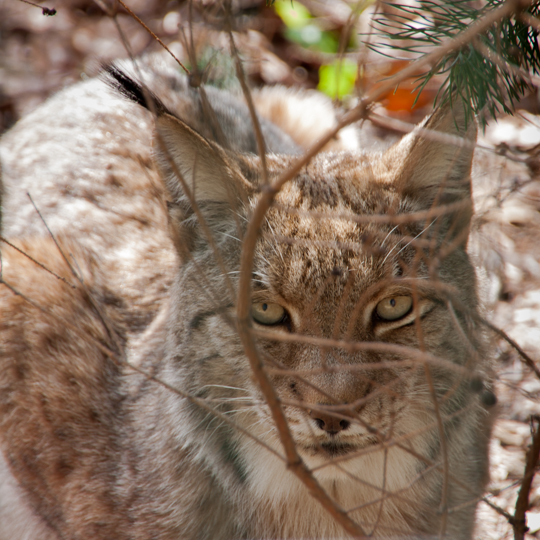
[490, 73]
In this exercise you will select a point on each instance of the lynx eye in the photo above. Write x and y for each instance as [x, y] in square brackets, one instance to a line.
[394, 307]
[267, 313]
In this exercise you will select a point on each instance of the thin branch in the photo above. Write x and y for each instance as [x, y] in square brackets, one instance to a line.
[196, 80]
[452, 44]
[261, 145]
[49, 12]
[530, 20]
[79, 279]
[153, 35]
[518, 521]
[400, 351]
[527, 359]
[2, 239]
[497, 508]
[101, 315]
[105, 350]
[406, 127]
[165, 151]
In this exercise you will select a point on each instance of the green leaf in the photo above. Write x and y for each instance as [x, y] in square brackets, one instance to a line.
[312, 37]
[293, 14]
[337, 79]
[329, 43]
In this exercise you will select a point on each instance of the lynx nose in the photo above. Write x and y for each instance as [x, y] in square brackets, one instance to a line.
[329, 423]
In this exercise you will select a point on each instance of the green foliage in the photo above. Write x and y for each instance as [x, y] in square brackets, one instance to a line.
[303, 29]
[489, 73]
[294, 15]
[337, 79]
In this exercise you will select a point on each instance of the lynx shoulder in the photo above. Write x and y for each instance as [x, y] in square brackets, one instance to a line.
[128, 408]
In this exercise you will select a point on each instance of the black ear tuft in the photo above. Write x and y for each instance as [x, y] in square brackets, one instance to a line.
[133, 90]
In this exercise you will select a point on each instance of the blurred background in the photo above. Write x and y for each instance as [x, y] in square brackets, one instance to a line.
[324, 44]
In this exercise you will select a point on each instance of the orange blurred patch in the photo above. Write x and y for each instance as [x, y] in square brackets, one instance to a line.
[401, 99]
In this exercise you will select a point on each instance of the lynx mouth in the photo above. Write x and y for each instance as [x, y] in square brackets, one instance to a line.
[333, 449]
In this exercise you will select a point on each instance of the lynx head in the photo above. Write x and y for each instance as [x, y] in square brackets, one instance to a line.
[363, 250]
[364, 300]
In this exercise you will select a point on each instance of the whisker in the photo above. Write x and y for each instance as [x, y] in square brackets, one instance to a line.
[388, 235]
[223, 386]
[408, 243]
[231, 236]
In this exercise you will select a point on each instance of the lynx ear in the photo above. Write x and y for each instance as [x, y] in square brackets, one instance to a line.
[207, 171]
[198, 173]
[432, 164]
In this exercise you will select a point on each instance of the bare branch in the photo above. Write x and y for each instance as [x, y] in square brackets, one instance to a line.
[526, 358]
[518, 520]
[153, 35]
[2, 239]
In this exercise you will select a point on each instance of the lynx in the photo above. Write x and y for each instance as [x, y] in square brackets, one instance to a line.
[128, 408]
